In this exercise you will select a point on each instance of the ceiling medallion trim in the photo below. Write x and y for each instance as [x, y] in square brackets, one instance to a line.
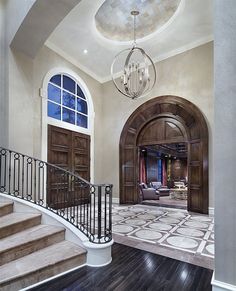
[120, 40]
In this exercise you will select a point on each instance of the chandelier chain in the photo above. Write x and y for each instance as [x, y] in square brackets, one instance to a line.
[135, 31]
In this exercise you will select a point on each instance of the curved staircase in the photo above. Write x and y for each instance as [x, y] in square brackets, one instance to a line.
[30, 251]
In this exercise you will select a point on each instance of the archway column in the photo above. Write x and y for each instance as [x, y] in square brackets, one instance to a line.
[224, 140]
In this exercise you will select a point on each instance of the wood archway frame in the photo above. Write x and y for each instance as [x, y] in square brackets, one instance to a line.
[196, 135]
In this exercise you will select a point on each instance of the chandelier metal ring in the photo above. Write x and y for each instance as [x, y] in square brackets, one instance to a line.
[135, 79]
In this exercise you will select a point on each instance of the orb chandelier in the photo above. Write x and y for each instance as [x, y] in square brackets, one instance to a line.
[138, 70]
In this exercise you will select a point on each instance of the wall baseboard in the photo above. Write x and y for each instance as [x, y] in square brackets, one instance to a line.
[116, 200]
[221, 286]
[211, 211]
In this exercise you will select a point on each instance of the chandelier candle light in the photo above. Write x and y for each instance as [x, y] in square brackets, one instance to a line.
[138, 72]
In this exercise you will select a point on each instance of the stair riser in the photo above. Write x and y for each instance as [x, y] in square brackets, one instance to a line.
[6, 209]
[30, 247]
[44, 273]
[19, 226]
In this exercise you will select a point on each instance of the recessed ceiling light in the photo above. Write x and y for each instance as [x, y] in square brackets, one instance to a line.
[85, 51]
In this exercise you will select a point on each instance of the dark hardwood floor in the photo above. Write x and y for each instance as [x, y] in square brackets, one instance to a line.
[133, 269]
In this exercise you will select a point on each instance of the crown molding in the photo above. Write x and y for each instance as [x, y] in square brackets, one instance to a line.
[73, 61]
[184, 48]
[108, 78]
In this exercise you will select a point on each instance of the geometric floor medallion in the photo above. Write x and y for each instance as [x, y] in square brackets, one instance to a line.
[170, 229]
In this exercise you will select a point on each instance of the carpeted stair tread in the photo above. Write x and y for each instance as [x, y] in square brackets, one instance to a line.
[17, 221]
[6, 208]
[41, 264]
[27, 241]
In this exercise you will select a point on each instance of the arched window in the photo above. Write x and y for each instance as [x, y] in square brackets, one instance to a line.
[67, 101]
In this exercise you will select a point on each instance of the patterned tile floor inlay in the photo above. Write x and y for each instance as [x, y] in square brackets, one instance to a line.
[167, 227]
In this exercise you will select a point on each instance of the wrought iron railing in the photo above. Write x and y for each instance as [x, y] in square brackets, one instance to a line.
[87, 206]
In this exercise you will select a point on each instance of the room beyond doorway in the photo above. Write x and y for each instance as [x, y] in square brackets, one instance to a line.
[164, 120]
[163, 167]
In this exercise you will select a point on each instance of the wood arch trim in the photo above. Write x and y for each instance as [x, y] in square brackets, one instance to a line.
[162, 136]
[193, 121]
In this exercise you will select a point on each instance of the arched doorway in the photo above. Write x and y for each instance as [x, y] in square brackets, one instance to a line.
[149, 124]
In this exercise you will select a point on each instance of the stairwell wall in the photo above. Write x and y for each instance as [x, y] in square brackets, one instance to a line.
[3, 77]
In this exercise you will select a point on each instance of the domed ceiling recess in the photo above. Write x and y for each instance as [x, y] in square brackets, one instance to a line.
[113, 19]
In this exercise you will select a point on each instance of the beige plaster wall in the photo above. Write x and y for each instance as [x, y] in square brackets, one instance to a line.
[21, 100]
[45, 61]
[25, 102]
[3, 78]
[188, 75]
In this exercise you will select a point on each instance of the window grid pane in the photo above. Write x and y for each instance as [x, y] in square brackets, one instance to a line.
[82, 106]
[54, 110]
[80, 92]
[56, 80]
[67, 101]
[54, 93]
[82, 120]
[68, 84]
[68, 115]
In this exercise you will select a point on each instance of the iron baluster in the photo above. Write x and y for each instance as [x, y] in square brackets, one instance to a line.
[60, 191]
[35, 184]
[9, 173]
[23, 177]
[99, 211]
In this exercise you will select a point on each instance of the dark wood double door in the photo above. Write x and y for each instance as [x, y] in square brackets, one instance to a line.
[71, 151]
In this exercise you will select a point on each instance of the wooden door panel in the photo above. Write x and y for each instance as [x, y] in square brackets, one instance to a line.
[59, 149]
[172, 130]
[195, 149]
[81, 155]
[196, 191]
[71, 151]
[195, 175]
[195, 203]
[129, 157]
[60, 137]
[60, 158]
[130, 194]
[129, 174]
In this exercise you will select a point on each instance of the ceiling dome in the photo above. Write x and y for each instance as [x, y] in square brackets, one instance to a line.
[113, 19]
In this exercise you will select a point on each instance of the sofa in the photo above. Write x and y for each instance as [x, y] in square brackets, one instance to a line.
[163, 190]
[148, 193]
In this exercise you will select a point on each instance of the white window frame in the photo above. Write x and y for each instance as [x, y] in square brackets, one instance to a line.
[52, 121]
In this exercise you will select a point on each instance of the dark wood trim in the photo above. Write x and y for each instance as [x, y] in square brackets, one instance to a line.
[194, 123]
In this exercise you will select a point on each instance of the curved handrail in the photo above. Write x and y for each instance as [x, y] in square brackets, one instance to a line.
[85, 205]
